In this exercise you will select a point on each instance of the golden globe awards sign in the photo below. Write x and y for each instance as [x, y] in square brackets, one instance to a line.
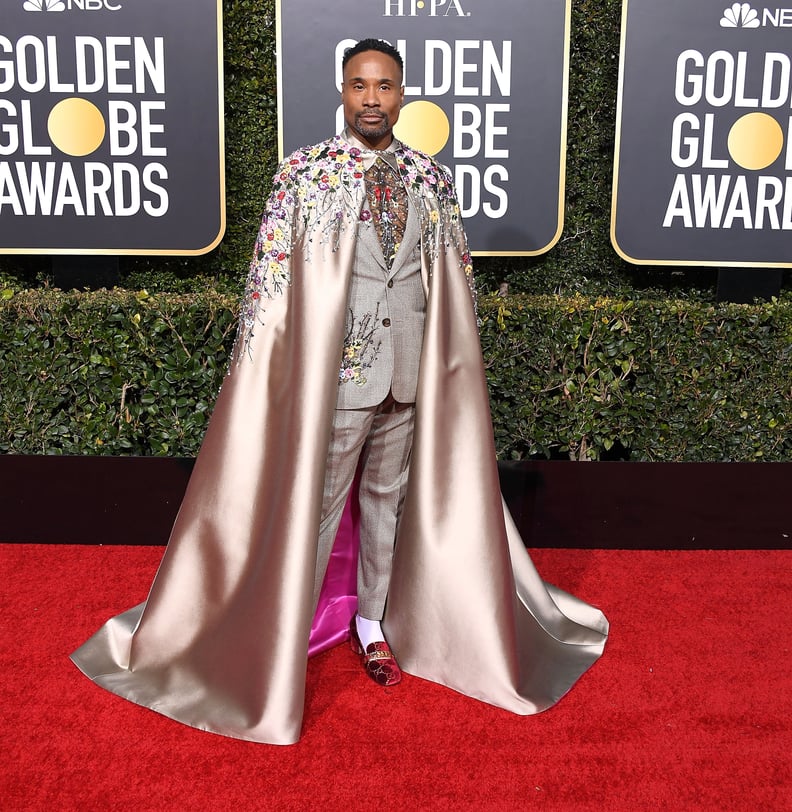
[485, 94]
[110, 127]
[703, 171]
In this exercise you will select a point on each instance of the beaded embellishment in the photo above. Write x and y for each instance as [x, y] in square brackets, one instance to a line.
[317, 195]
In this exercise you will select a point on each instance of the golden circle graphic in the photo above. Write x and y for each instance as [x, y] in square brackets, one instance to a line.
[76, 126]
[755, 141]
[424, 126]
[420, 4]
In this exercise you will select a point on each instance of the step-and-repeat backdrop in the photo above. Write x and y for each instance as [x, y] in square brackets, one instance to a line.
[485, 94]
[111, 132]
[703, 170]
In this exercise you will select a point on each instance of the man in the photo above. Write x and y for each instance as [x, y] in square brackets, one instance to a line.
[358, 346]
[374, 415]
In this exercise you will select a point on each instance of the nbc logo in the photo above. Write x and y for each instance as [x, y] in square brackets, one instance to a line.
[70, 5]
[44, 5]
[739, 15]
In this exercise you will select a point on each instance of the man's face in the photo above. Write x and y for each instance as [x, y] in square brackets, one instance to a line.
[372, 95]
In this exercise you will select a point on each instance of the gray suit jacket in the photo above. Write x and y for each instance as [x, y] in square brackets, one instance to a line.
[385, 321]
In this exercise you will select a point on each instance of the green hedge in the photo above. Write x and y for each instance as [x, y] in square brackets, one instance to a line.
[574, 377]
[110, 373]
[663, 380]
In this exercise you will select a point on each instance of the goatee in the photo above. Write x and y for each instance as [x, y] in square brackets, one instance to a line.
[372, 130]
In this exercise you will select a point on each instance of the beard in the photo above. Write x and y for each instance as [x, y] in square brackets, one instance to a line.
[383, 127]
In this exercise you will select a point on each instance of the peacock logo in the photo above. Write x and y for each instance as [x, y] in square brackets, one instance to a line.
[44, 5]
[740, 15]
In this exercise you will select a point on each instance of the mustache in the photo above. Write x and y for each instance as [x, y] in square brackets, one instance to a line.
[371, 113]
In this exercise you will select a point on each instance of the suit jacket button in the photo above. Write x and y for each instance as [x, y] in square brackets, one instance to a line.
[386, 322]
[390, 283]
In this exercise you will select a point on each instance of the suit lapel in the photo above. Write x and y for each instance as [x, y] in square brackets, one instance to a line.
[412, 233]
[369, 241]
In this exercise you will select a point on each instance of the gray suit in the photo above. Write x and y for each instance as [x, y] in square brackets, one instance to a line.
[390, 306]
[373, 422]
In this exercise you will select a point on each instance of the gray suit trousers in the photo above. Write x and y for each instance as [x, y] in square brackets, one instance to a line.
[379, 439]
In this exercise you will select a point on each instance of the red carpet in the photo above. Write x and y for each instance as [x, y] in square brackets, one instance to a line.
[689, 709]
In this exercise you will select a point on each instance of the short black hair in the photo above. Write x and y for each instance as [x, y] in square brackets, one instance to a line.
[372, 44]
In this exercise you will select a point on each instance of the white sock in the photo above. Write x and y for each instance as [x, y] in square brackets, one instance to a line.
[369, 631]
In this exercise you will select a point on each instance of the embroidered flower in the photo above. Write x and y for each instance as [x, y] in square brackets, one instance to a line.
[315, 197]
[360, 351]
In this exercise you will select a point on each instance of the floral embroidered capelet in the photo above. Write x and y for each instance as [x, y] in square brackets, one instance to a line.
[318, 194]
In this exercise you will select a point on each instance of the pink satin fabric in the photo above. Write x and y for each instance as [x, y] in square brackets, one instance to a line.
[338, 598]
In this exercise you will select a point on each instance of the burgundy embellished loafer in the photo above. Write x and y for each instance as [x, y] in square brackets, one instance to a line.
[378, 660]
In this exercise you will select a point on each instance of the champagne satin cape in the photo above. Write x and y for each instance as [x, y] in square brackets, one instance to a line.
[221, 642]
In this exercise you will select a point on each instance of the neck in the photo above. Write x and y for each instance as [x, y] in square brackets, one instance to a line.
[373, 144]
[378, 146]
